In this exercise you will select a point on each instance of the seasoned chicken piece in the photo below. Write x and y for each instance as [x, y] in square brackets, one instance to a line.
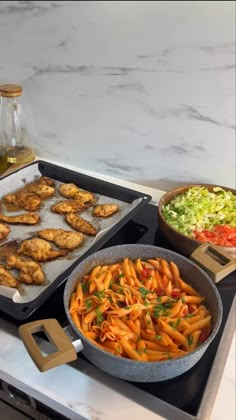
[72, 191]
[81, 225]
[69, 206]
[25, 219]
[69, 190]
[66, 239]
[42, 190]
[6, 279]
[39, 250]
[29, 270]
[46, 181]
[105, 210]
[23, 199]
[4, 231]
[85, 196]
[43, 180]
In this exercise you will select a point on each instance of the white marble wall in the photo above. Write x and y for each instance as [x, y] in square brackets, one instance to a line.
[143, 91]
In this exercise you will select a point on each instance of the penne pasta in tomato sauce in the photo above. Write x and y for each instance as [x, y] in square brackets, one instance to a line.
[141, 310]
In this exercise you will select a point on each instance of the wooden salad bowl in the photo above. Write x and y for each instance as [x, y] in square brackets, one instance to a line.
[187, 246]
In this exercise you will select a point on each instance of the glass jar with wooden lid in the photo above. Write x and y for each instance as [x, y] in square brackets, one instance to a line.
[16, 125]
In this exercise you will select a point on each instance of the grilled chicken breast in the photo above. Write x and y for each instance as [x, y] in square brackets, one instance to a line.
[23, 199]
[72, 191]
[42, 190]
[39, 250]
[65, 239]
[68, 190]
[68, 206]
[85, 196]
[30, 272]
[105, 210]
[25, 219]
[44, 180]
[4, 231]
[78, 223]
[6, 278]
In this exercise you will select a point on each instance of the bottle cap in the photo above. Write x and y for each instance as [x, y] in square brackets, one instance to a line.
[11, 90]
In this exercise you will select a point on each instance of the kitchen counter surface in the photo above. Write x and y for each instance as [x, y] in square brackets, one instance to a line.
[81, 391]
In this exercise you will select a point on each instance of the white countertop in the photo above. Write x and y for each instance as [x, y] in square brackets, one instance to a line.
[80, 390]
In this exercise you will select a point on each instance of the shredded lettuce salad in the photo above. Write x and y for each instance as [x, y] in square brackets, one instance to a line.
[198, 209]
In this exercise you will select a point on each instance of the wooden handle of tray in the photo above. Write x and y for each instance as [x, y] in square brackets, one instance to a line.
[216, 262]
[65, 351]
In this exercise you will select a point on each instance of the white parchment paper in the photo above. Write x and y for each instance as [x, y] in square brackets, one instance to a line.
[18, 233]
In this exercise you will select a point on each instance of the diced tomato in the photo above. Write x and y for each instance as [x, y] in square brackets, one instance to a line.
[222, 235]
[175, 294]
[203, 336]
[185, 311]
[146, 272]
[160, 291]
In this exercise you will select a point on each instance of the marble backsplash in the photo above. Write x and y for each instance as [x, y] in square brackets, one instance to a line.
[143, 91]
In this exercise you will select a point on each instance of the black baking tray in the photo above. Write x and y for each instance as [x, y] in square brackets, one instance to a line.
[22, 311]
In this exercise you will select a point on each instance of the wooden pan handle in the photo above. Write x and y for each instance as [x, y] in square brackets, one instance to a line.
[217, 263]
[65, 351]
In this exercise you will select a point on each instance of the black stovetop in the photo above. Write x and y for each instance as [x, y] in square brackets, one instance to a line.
[185, 391]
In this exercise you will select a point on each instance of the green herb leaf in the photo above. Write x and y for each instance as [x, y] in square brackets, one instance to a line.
[89, 304]
[158, 337]
[141, 351]
[168, 354]
[144, 292]
[172, 324]
[168, 305]
[120, 290]
[85, 287]
[190, 340]
[183, 299]
[159, 309]
[99, 316]
[189, 316]
[100, 295]
[178, 322]
[121, 275]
